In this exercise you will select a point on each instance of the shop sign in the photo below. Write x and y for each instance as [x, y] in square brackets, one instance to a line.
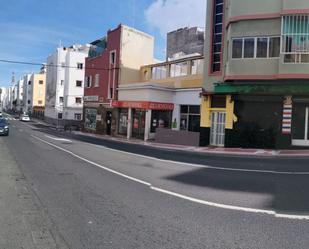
[93, 98]
[143, 105]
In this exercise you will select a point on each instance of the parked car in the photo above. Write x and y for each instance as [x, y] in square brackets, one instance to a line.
[4, 127]
[24, 118]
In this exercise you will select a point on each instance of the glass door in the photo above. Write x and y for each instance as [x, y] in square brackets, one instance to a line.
[217, 131]
[138, 126]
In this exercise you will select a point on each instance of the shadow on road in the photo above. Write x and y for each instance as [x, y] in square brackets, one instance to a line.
[289, 192]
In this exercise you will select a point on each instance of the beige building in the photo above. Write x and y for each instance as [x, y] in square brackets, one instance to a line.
[38, 89]
[257, 73]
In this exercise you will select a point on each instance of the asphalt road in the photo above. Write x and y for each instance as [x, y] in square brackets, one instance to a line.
[100, 197]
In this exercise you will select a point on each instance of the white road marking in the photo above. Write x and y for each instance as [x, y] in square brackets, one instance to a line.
[203, 166]
[58, 139]
[192, 199]
[93, 163]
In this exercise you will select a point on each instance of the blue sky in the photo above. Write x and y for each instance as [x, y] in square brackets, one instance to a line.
[30, 30]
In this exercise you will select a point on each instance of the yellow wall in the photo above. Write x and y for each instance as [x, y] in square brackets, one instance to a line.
[206, 111]
[137, 49]
[38, 90]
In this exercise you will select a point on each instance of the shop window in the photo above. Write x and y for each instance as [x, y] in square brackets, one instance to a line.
[90, 118]
[123, 121]
[190, 118]
[160, 119]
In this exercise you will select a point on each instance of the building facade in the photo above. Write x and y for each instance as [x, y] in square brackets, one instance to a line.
[113, 60]
[65, 76]
[27, 93]
[256, 76]
[185, 41]
[165, 104]
[38, 90]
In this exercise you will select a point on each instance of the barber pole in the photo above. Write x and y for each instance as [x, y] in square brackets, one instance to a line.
[287, 116]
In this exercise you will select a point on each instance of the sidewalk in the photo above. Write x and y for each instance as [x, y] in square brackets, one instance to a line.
[206, 150]
[23, 221]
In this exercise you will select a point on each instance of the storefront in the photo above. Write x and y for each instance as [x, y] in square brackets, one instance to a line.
[141, 119]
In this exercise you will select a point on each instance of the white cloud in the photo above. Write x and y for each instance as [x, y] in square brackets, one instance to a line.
[168, 15]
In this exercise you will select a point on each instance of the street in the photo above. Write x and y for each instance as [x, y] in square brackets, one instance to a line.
[103, 194]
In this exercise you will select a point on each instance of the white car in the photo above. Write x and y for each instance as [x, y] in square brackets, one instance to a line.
[24, 118]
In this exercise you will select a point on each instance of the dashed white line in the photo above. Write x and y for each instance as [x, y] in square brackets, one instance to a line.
[185, 197]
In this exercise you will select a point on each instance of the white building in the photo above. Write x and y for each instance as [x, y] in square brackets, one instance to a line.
[3, 98]
[20, 87]
[65, 85]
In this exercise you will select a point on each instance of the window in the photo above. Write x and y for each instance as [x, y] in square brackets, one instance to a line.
[112, 57]
[159, 73]
[29, 83]
[79, 83]
[190, 118]
[78, 116]
[80, 66]
[63, 65]
[88, 81]
[123, 121]
[160, 119]
[295, 38]
[61, 99]
[111, 93]
[249, 48]
[59, 115]
[40, 102]
[256, 47]
[61, 82]
[29, 102]
[274, 47]
[197, 66]
[97, 80]
[179, 69]
[261, 47]
[237, 48]
[217, 31]
[78, 100]
[41, 82]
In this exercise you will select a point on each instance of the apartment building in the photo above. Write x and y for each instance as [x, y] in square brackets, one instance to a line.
[65, 76]
[27, 93]
[113, 60]
[256, 76]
